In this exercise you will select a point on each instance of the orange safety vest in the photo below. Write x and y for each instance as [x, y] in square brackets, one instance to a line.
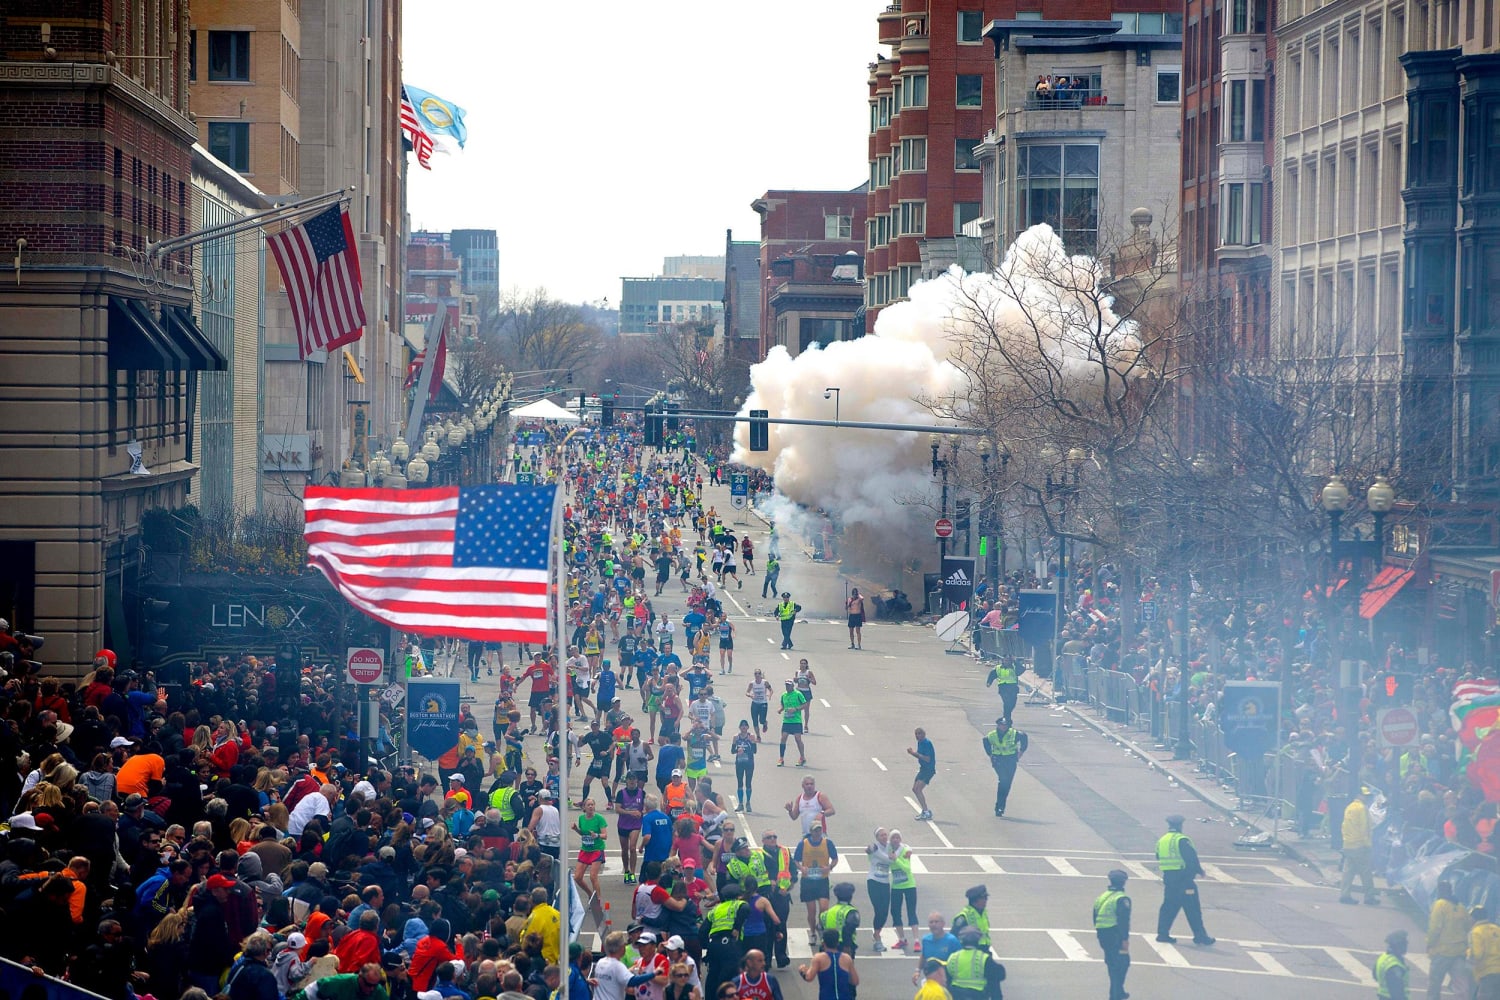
[676, 795]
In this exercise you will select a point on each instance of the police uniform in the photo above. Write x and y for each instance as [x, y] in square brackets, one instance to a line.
[776, 874]
[786, 613]
[1178, 861]
[1007, 681]
[1112, 927]
[1390, 969]
[1004, 749]
[843, 917]
[973, 973]
[972, 916]
[722, 929]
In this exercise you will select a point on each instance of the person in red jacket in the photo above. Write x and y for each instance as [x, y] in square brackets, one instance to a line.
[360, 947]
[432, 951]
[226, 752]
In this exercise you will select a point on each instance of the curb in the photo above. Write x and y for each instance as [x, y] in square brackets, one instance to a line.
[1192, 788]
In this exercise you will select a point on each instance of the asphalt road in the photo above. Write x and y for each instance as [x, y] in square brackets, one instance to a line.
[1080, 807]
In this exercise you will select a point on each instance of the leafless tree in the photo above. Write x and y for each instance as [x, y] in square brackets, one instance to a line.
[698, 367]
[540, 333]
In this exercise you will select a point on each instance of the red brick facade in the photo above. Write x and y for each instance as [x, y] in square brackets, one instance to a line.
[793, 222]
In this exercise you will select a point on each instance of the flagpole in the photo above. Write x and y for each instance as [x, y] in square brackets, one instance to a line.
[565, 888]
[424, 381]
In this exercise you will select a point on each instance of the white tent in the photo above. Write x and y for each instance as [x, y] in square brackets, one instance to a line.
[544, 409]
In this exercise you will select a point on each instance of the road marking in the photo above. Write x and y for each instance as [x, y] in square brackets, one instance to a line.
[1218, 874]
[878, 764]
[1268, 963]
[1420, 961]
[1351, 965]
[1069, 946]
[734, 602]
[771, 640]
[1140, 871]
[745, 827]
[785, 657]
[1063, 866]
[1291, 877]
[917, 867]
[841, 866]
[987, 864]
[846, 729]
[887, 657]
[825, 702]
[1168, 952]
[931, 825]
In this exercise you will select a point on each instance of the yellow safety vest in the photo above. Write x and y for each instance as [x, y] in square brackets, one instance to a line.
[1169, 852]
[974, 918]
[966, 969]
[722, 917]
[500, 799]
[1006, 675]
[833, 920]
[786, 611]
[1105, 915]
[783, 873]
[1384, 964]
[738, 868]
[1003, 746]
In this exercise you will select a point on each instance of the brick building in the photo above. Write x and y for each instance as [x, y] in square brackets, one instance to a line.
[741, 297]
[829, 223]
[96, 155]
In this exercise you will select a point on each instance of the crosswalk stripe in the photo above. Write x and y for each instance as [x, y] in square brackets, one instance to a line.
[1168, 952]
[1420, 962]
[1218, 874]
[1069, 946]
[1291, 877]
[1268, 963]
[1063, 866]
[917, 867]
[1351, 965]
[987, 864]
[1141, 871]
[841, 866]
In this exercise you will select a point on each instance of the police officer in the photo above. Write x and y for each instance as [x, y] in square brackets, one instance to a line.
[843, 917]
[973, 973]
[973, 915]
[723, 930]
[776, 874]
[1390, 968]
[744, 863]
[1112, 927]
[1178, 860]
[786, 613]
[1007, 681]
[1004, 744]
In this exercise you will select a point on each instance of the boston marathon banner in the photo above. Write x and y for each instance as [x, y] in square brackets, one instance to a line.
[432, 716]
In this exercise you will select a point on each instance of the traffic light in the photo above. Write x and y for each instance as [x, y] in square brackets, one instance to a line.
[570, 378]
[961, 510]
[1395, 689]
[606, 411]
[653, 428]
[672, 411]
[154, 628]
[583, 402]
[760, 430]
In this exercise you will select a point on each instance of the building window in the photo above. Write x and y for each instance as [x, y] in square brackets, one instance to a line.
[1237, 110]
[192, 57]
[838, 227]
[1169, 85]
[964, 212]
[1254, 209]
[1234, 215]
[290, 156]
[913, 218]
[970, 25]
[965, 154]
[230, 142]
[914, 90]
[291, 70]
[229, 55]
[1149, 24]
[883, 172]
[970, 90]
[1247, 17]
[1059, 185]
[913, 154]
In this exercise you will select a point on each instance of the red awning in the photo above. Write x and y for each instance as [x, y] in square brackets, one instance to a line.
[1328, 590]
[1387, 583]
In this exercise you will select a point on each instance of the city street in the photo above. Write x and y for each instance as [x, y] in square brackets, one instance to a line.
[1081, 806]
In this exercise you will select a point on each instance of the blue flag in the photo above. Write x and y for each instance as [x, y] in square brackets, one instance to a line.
[432, 716]
[437, 116]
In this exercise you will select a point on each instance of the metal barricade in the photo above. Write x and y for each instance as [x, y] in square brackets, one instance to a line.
[1070, 679]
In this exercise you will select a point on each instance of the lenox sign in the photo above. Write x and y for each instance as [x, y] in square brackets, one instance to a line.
[257, 616]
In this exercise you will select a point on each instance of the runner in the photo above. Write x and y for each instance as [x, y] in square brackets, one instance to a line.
[743, 748]
[926, 758]
[815, 857]
[726, 645]
[747, 555]
[855, 606]
[592, 839]
[812, 807]
[731, 570]
[630, 808]
[759, 693]
[792, 705]
[806, 680]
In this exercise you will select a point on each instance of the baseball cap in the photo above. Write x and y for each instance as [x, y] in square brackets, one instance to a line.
[220, 882]
[677, 773]
[118, 742]
[134, 800]
[24, 821]
[647, 937]
[675, 943]
[387, 853]
[456, 777]
[317, 870]
[545, 793]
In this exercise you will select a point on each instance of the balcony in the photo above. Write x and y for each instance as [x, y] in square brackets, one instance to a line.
[1067, 100]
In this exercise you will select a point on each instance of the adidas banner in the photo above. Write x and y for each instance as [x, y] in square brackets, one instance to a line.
[958, 581]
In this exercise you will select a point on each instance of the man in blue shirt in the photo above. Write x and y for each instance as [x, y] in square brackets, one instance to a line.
[669, 757]
[605, 688]
[667, 658]
[926, 758]
[692, 622]
[656, 832]
[937, 943]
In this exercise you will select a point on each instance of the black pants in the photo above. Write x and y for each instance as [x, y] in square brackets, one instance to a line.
[786, 632]
[880, 902]
[781, 903]
[1008, 694]
[1179, 892]
[1005, 776]
[744, 778]
[725, 955]
[1116, 961]
[758, 715]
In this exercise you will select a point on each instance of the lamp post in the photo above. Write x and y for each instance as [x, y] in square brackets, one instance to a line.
[1379, 499]
[836, 391]
[940, 467]
[989, 516]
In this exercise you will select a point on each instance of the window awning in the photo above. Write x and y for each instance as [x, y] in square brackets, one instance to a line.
[191, 338]
[352, 367]
[1387, 583]
[138, 341]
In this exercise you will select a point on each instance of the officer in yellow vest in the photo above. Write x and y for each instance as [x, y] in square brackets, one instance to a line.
[1007, 681]
[1112, 927]
[1390, 968]
[973, 973]
[1004, 745]
[843, 917]
[974, 915]
[786, 613]
[776, 874]
[722, 930]
[745, 863]
[1178, 861]
[503, 796]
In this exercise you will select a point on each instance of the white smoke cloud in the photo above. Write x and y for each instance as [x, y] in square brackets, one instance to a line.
[906, 365]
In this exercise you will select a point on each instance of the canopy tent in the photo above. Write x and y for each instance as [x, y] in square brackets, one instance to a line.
[544, 409]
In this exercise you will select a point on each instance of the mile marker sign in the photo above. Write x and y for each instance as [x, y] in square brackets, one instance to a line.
[365, 664]
[942, 527]
[1397, 727]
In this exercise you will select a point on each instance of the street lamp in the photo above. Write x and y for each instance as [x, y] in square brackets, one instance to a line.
[835, 390]
[940, 466]
[994, 558]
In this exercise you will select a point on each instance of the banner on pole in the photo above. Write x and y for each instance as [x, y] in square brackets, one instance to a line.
[1248, 716]
[432, 716]
[958, 580]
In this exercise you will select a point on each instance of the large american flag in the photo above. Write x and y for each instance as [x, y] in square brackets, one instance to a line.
[411, 127]
[471, 562]
[319, 265]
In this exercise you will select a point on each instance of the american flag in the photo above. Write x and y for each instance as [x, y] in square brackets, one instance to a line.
[471, 562]
[421, 142]
[319, 265]
[1471, 690]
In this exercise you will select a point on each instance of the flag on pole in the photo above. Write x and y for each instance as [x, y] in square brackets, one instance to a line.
[438, 118]
[421, 142]
[471, 562]
[439, 367]
[319, 264]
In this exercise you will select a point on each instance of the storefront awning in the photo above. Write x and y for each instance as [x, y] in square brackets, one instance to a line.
[1387, 583]
[138, 341]
[352, 367]
[191, 338]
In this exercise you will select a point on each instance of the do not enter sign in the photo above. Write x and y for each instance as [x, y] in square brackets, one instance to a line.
[1397, 727]
[942, 527]
[365, 665]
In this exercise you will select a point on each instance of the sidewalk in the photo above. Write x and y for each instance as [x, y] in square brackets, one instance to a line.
[1314, 852]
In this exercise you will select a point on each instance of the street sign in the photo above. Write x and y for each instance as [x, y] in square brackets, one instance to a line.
[526, 479]
[1148, 612]
[1397, 727]
[736, 501]
[365, 664]
[739, 489]
[942, 527]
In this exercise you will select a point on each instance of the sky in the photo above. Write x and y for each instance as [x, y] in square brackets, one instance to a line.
[604, 140]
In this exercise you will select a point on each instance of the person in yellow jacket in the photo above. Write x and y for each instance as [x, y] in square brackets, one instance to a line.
[1448, 926]
[1356, 829]
[1390, 968]
[1484, 954]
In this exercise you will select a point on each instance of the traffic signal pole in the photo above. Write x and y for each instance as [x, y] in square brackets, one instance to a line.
[726, 415]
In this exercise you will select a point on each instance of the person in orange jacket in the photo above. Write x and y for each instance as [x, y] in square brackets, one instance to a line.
[432, 951]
